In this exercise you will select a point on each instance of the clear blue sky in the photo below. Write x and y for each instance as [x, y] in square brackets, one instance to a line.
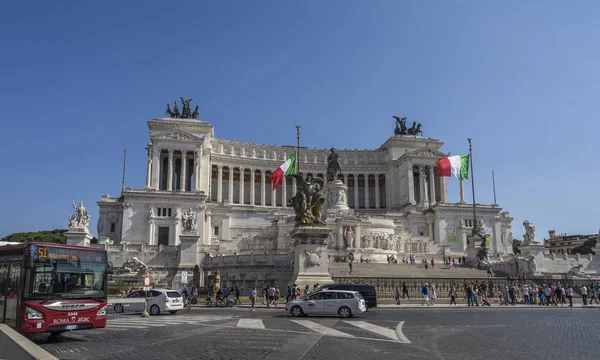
[79, 80]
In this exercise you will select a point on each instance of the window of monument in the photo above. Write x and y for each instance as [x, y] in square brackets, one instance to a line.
[113, 227]
[169, 211]
[216, 231]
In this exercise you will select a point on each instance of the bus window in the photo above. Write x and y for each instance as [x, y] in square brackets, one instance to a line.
[12, 295]
[3, 285]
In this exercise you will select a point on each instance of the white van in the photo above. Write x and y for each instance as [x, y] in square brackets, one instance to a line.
[328, 302]
[163, 300]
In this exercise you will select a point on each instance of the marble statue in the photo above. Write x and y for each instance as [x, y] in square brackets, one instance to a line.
[186, 113]
[132, 266]
[576, 273]
[80, 219]
[529, 236]
[333, 166]
[308, 201]
[188, 220]
[349, 237]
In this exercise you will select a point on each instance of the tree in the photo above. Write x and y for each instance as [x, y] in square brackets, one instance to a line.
[48, 236]
[517, 246]
[586, 248]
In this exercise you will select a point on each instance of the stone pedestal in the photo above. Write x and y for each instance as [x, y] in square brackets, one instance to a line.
[336, 198]
[188, 249]
[311, 265]
[532, 249]
[78, 238]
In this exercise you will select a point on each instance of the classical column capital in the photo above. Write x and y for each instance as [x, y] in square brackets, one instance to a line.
[219, 166]
[171, 151]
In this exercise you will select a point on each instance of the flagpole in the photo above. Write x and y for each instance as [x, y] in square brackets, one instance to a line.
[494, 183]
[473, 188]
[298, 149]
[124, 162]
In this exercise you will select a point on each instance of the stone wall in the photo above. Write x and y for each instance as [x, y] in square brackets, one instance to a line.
[549, 265]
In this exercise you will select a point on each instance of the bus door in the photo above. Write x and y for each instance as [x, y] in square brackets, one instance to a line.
[3, 285]
[13, 294]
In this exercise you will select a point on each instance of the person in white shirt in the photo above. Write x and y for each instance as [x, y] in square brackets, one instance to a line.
[570, 295]
[584, 294]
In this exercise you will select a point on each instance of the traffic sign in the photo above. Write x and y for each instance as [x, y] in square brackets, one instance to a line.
[146, 280]
[184, 277]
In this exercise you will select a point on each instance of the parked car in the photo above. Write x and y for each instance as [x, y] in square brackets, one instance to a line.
[328, 302]
[158, 301]
[368, 292]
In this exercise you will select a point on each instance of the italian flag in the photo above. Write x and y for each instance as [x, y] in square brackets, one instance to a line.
[287, 168]
[457, 166]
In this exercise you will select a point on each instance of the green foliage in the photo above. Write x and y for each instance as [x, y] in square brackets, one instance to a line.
[517, 246]
[49, 236]
[585, 248]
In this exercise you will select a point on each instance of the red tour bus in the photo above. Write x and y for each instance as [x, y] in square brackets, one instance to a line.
[52, 288]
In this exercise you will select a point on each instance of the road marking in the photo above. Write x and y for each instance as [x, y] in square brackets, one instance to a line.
[321, 329]
[401, 338]
[380, 330]
[250, 324]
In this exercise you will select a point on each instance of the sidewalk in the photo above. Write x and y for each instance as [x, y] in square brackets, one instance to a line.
[446, 305]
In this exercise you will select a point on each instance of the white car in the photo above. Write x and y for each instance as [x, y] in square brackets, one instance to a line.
[163, 300]
[329, 302]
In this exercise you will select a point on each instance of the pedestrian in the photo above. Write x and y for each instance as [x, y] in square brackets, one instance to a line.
[584, 294]
[432, 263]
[350, 266]
[425, 293]
[593, 294]
[397, 298]
[452, 295]
[469, 292]
[433, 294]
[289, 294]
[253, 295]
[570, 295]
[405, 290]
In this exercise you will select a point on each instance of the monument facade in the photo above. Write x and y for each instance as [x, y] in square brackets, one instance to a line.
[213, 196]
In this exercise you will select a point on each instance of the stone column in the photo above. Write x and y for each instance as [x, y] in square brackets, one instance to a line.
[346, 179]
[421, 185]
[253, 187]
[284, 192]
[431, 234]
[183, 171]
[357, 239]
[377, 205]
[262, 188]
[462, 190]
[219, 183]
[367, 205]
[411, 184]
[230, 197]
[156, 163]
[170, 172]
[273, 196]
[242, 190]
[431, 186]
[356, 200]
[149, 169]
[198, 171]
[294, 187]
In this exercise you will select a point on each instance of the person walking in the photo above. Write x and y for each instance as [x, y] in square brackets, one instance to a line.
[433, 294]
[397, 297]
[570, 295]
[425, 293]
[452, 295]
[593, 294]
[584, 294]
[469, 291]
[253, 295]
[405, 290]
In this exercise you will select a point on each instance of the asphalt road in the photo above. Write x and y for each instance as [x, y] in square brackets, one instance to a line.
[383, 333]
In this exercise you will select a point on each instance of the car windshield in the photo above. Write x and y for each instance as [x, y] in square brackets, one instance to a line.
[173, 294]
[66, 280]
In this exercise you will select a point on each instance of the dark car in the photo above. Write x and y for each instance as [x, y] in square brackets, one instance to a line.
[367, 291]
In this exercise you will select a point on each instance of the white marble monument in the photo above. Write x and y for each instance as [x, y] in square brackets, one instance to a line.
[78, 233]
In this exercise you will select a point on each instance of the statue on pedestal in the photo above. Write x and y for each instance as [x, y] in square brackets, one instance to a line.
[333, 166]
[188, 220]
[308, 201]
[400, 126]
[348, 237]
[80, 220]
[186, 113]
[529, 236]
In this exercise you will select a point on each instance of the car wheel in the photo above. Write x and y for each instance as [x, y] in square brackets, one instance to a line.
[173, 312]
[154, 310]
[118, 308]
[345, 312]
[296, 311]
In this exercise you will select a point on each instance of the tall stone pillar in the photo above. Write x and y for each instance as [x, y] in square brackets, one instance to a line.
[198, 171]
[170, 172]
[294, 187]
[377, 204]
[253, 187]
[357, 243]
[311, 265]
[242, 189]
[356, 199]
[421, 185]
[367, 202]
[462, 190]
[273, 196]
[262, 188]
[284, 192]
[431, 186]
[411, 184]
[149, 168]
[230, 196]
[346, 179]
[220, 183]
[183, 171]
[156, 164]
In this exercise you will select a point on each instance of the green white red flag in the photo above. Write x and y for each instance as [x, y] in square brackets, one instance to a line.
[287, 168]
[457, 166]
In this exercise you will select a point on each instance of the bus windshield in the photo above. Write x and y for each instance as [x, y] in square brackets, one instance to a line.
[69, 276]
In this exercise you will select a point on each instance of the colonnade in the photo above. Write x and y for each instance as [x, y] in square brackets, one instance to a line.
[173, 169]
